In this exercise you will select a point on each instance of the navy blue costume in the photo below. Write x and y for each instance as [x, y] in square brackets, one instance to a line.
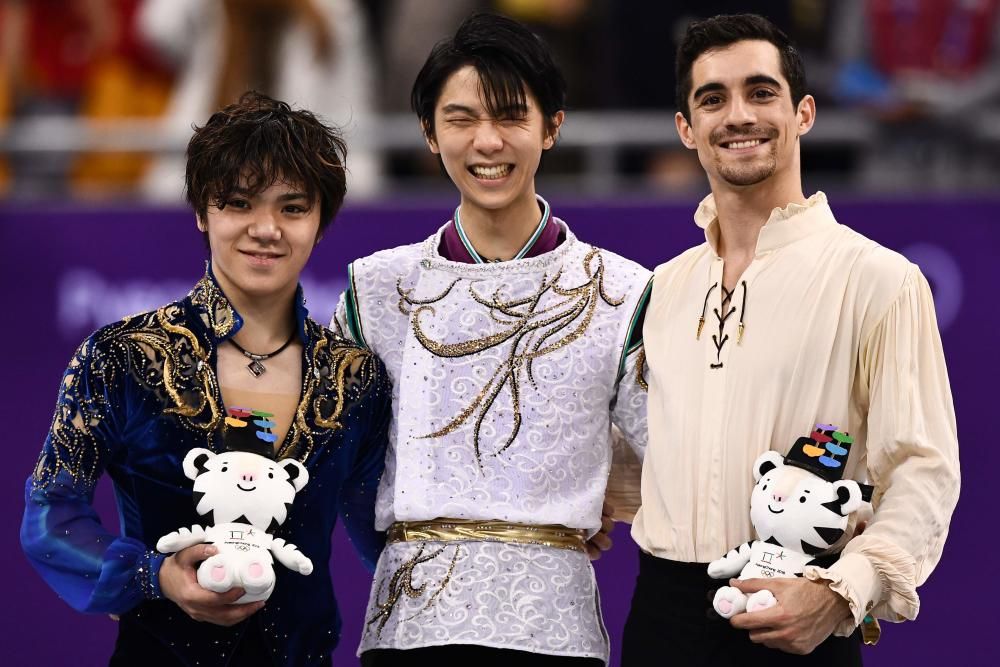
[140, 393]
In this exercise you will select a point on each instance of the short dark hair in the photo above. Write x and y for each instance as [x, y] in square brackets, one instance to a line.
[721, 31]
[507, 57]
[259, 141]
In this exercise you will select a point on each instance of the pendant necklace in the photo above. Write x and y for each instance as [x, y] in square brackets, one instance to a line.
[255, 366]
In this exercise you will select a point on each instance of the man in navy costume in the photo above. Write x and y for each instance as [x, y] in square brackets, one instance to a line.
[264, 181]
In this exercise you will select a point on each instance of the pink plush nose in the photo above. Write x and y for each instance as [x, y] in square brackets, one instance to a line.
[777, 497]
[247, 477]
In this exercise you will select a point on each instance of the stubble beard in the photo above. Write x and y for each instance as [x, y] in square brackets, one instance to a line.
[750, 173]
[740, 172]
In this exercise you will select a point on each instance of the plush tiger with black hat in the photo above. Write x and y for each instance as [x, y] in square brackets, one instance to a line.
[799, 509]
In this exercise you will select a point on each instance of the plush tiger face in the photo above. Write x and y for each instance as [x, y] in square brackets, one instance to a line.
[242, 487]
[798, 509]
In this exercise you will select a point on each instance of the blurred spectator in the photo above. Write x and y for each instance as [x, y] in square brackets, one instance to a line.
[313, 54]
[910, 68]
[12, 28]
[414, 27]
[411, 27]
[577, 33]
[126, 81]
[918, 66]
[47, 47]
[68, 58]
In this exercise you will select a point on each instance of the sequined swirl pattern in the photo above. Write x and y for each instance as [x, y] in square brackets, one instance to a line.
[401, 583]
[216, 312]
[508, 596]
[161, 355]
[72, 448]
[338, 376]
[531, 329]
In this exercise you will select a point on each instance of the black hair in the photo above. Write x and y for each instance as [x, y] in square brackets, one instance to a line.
[252, 144]
[506, 55]
[722, 31]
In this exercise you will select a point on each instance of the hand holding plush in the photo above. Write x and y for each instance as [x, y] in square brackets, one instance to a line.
[799, 509]
[244, 496]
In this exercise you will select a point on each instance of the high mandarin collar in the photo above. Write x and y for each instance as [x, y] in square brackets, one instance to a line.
[457, 248]
[221, 318]
[784, 225]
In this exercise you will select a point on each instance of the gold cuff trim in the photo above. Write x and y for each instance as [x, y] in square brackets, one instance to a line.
[467, 530]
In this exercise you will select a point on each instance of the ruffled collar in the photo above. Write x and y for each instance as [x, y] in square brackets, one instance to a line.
[784, 225]
[221, 318]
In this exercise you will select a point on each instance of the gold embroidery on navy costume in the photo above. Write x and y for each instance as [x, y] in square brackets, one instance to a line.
[140, 393]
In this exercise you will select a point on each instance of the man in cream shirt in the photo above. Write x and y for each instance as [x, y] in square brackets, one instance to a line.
[781, 320]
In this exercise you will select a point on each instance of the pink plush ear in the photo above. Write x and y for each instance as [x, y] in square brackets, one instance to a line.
[195, 461]
[849, 495]
[298, 476]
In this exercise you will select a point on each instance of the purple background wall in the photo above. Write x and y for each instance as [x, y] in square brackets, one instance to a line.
[67, 271]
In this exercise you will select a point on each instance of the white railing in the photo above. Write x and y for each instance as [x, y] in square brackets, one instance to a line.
[598, 137]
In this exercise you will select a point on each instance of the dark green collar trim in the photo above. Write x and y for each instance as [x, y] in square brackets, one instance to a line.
[352, 310]
[633, 340]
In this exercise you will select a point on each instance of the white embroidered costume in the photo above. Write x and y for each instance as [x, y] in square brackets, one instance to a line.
[506, 380]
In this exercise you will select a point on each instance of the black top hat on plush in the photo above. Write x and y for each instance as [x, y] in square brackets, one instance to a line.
[824, 452]
[249, 431]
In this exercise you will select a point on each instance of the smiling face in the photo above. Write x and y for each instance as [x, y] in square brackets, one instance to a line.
[492, 161]
[261, 242]
[787, 504]
[743, 123]
[241, 485]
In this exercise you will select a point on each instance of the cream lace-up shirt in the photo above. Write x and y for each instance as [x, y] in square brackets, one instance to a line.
[824, 326]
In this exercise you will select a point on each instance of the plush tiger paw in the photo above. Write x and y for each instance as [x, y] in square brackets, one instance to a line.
[720, 569]
[256, 577]
[761, 600]
[303, 565]
[729, 601]
[217, 573]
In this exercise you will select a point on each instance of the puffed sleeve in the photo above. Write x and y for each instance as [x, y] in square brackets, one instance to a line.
[61, 534]
[912, 461]
[339, 321]
[628, 415]
[628, 409]
[357, 496]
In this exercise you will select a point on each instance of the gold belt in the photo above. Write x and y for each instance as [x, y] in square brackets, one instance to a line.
[468, 530]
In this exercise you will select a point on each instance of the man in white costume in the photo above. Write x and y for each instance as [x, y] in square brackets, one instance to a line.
[513, 347]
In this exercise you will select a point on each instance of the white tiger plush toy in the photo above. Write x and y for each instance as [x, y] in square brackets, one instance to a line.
[799, 509]
[244, 495]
